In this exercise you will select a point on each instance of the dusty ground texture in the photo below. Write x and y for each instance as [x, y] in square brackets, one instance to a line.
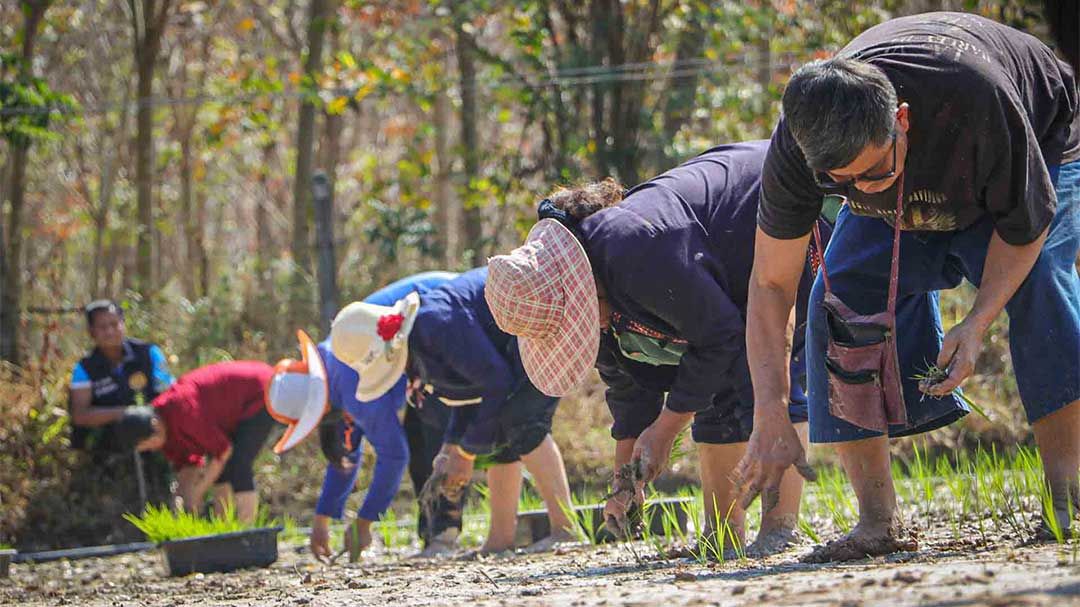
[945, 574]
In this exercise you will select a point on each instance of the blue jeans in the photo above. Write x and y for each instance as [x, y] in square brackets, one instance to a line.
[1044, 313]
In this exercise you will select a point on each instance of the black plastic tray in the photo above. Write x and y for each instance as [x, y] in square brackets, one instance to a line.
[533, 525]
[6, 557]
[220, 553]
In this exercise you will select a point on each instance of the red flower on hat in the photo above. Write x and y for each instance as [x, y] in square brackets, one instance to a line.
[388, 326]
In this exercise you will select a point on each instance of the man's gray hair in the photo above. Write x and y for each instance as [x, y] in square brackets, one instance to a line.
[836, 107]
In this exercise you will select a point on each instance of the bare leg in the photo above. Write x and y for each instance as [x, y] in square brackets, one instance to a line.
[223, 497]
[247, 505]
[722, 512]
[778, 525]
[878, 532]
[545, 463]
[504, 489]
[1058, 437]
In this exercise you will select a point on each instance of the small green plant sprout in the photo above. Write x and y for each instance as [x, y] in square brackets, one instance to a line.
[583, 523]
[808, 529]
[933, 375]
[160, 524]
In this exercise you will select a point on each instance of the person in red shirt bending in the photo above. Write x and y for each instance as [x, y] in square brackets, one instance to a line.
[213, 422]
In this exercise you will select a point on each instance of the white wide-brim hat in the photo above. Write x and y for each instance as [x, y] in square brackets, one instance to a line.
[298, 394]
[544, 292]
[374, 340]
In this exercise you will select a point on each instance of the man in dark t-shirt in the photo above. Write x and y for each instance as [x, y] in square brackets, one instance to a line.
[972, 128]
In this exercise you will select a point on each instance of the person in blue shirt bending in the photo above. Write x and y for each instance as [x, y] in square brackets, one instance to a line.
[447, 343]
[349, 420]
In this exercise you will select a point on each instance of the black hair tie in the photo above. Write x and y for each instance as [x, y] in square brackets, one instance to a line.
[547, 210]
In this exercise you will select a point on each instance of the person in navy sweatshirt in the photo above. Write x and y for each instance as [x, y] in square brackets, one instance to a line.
[412, 444]
[447, 343]
[662, 316]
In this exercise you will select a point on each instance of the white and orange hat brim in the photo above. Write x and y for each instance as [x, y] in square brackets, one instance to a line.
[299, 394]
[546, 288]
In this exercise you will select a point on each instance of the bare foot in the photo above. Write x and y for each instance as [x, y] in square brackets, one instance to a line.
[440, 546]
[771, 542]
[863, 542]
[551, 542]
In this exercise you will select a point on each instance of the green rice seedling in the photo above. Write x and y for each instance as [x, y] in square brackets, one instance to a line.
[160, 524]
[723, 532]
[583, 523]
[920, 471]
[388, 528]
[530, 499]
[935, 375]
[808, 529]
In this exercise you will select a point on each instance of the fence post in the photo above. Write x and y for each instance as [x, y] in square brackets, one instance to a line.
[324, 237]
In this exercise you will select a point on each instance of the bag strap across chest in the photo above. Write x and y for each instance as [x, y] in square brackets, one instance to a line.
[894, 269]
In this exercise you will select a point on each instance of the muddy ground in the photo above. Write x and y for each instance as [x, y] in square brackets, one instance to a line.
[944, 574]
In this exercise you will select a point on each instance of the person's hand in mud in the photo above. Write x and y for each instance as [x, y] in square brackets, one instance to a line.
[773, 448]
[320, 538]
[627, 493]
[459, 469]
[357, 538]
[959, 352]
[653, 448]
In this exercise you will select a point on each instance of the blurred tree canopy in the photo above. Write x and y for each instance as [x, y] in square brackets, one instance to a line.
[161, 151]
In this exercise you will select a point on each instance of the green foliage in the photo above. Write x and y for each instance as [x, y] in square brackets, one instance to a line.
[27, 103]
[161, 524]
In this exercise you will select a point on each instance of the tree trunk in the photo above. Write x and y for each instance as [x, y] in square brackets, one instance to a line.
[465, 45]
[300, 298]
[681, 88]
[11, 255]
[144, 172]
[323, 196]
[448, 215]
[11, 304]
[599, 15]
[263, 238]
[187, 221]
[148, 21]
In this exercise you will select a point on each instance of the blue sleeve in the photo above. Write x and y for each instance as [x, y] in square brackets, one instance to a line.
[162, 378]
[337, 484]
[387, 438]
[79, 377]
[633, 407]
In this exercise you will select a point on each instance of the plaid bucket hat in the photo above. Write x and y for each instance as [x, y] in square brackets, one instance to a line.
[544, 293]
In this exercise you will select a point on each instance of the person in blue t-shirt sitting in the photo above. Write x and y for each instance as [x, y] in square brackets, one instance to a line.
[118, 373]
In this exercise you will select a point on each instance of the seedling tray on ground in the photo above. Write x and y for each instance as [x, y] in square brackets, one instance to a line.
[533, 525]
[221, 553]
[6, 556]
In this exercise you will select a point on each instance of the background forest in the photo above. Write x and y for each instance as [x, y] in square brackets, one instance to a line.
[233, 171]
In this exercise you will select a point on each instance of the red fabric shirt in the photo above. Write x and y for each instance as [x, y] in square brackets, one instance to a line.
[203, 408]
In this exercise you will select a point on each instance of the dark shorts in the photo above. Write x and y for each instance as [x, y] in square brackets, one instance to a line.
[524, 422]
[247, 441]
[1044, 313]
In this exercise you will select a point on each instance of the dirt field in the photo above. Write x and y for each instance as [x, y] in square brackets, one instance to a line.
[943, 574]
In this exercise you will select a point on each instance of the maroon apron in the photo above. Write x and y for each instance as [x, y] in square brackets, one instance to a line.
[864, 371]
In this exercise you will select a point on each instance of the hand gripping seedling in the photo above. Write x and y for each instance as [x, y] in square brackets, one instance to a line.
[624, 491]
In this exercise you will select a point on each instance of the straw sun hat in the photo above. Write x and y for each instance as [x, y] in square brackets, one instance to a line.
[374, 340]
[544, 293]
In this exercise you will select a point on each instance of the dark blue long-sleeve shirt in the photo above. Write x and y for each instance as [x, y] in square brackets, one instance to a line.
[675, 255]
[457, 349]
[377, 421]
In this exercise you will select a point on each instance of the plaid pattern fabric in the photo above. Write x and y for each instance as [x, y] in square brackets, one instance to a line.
[544, 293]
